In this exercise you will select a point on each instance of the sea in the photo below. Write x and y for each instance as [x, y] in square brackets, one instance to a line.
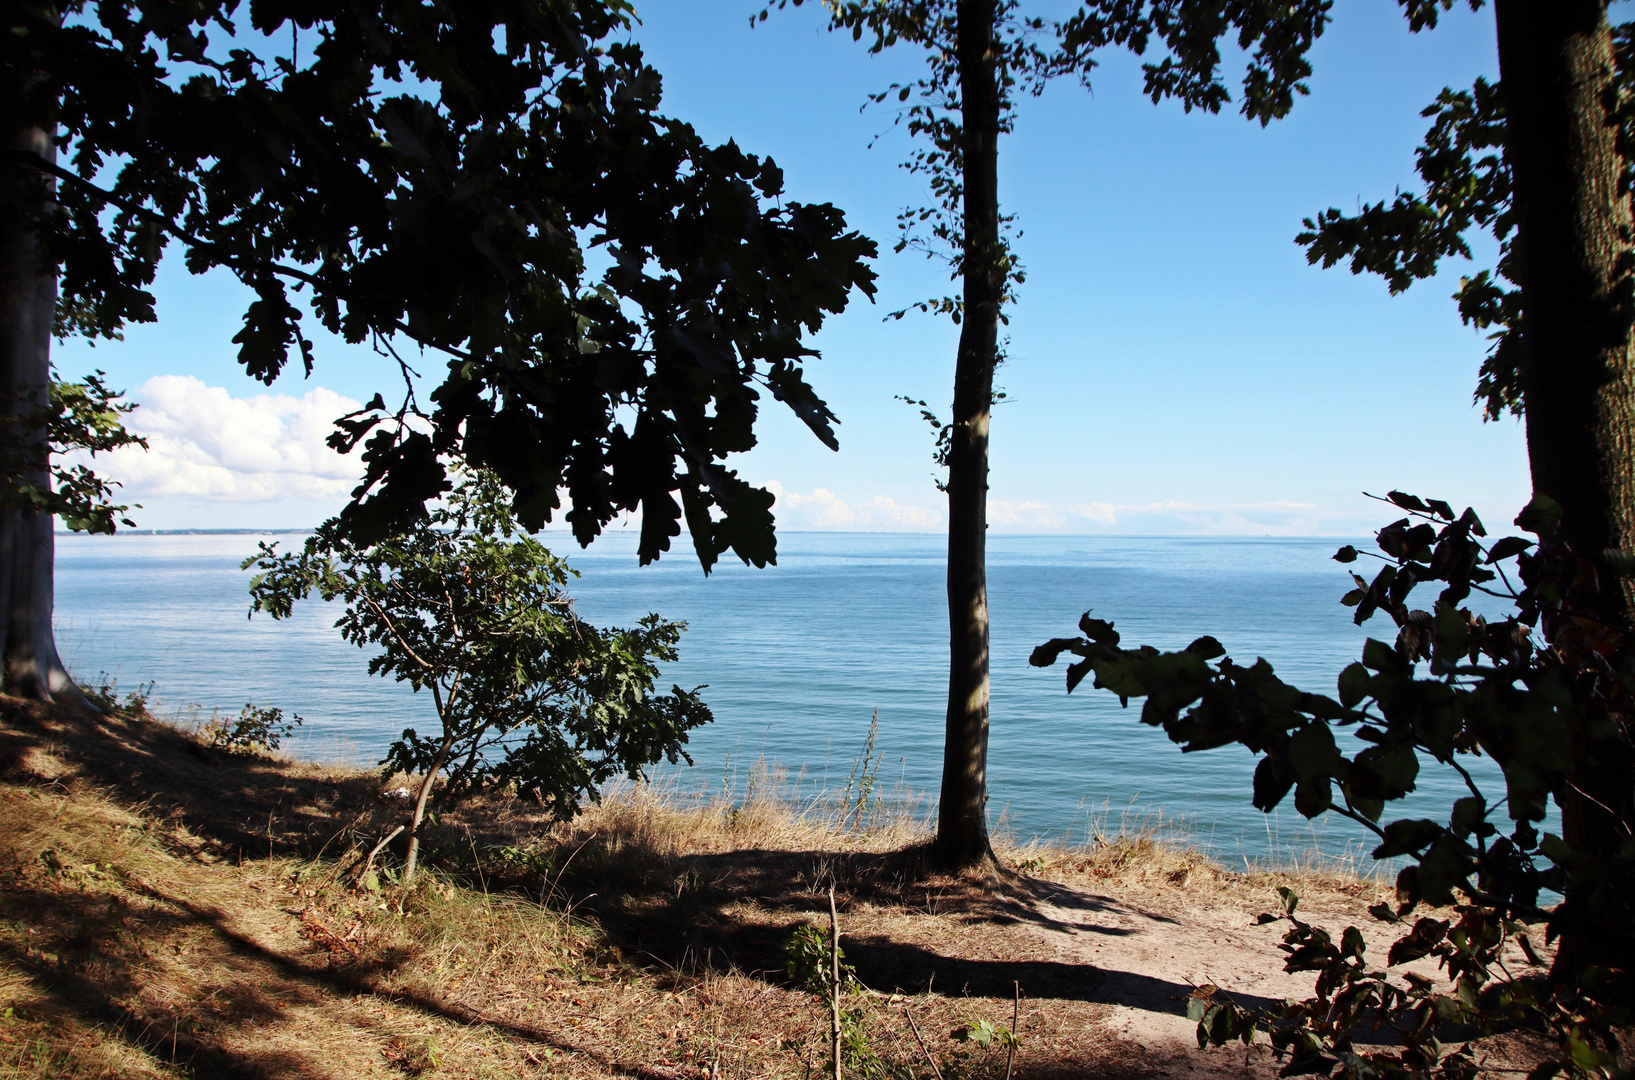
[798, 660]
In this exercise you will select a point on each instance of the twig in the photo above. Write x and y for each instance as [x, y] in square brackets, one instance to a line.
[550, 891]
[1010, 1046]
[929, 1060]
[376, 850]
[834, 986]
[1592, 799]
[477, 864]
[350, 825]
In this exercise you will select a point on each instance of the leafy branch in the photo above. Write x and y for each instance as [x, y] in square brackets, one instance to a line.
[1546, 686]
[75, 417]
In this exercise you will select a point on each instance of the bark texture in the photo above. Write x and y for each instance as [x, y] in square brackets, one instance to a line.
[28, 298]
[962, 825]
[1575, 243]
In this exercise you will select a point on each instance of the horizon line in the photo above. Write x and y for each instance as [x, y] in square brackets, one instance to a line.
[307, 530]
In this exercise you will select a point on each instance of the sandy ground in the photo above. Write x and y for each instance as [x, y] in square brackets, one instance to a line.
[1149, 962]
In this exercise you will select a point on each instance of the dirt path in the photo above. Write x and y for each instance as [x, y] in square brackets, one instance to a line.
[1147, 962]
[1150, 948]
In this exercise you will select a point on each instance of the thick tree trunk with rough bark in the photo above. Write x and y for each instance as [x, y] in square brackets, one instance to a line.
[28, 297]
[1575, 243]
[962, 826]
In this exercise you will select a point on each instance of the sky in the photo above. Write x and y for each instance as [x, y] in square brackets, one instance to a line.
[1173, 367]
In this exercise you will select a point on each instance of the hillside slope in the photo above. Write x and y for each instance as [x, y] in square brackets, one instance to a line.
[167, 910]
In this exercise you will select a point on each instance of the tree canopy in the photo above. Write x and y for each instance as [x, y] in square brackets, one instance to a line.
[492, 184]
[1467, 190]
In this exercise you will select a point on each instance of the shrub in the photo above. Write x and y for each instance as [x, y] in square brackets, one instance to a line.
[256, 729]
[529, 697]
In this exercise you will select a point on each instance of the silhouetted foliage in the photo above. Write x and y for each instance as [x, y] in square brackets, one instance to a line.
[1467, 189]
[1536, 691]
[493, 183]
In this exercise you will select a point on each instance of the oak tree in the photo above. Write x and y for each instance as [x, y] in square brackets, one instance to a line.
[488, 185]
[529, 697]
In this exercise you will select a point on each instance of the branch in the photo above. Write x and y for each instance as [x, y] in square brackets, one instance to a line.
[1597, 802]
[916, 1030]
[1530, 913]
[384, 347]
[1347, 811]
[1469, 783]
[477, 747]
[380, 613]
[29, 157]
[376, 850]
[453, 617]
[454, 687]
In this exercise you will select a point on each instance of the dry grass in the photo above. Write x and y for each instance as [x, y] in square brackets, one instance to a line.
[167, 911]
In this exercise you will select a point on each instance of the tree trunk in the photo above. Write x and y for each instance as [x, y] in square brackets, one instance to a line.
[1574, 241]
[412, 857]
[962, 824]
[28, 298]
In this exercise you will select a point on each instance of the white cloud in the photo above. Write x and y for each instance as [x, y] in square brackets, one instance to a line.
[1028, 516]
[824, 510]
[1099, 512]
[207, 444]
[1279, 518]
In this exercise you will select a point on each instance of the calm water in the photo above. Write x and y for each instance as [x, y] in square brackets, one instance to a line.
[798, 657]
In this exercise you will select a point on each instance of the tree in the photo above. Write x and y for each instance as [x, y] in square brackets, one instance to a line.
[1541, 161]
[444, 178]
[529, 697]
[980, 53]
[1530, 691]
[38, 426]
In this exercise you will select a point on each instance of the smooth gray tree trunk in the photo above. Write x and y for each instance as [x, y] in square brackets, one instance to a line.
[411, 858]
[28, 298]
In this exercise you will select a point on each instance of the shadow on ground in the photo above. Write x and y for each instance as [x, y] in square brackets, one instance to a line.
[246, 808]
[729, 911]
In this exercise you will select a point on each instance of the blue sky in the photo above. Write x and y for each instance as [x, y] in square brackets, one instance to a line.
[1175, 365]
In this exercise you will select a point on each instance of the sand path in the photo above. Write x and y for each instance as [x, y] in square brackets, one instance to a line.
[1150, 952]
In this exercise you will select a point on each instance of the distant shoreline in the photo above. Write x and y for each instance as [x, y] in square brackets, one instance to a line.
[787, 532]
[192, 532]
